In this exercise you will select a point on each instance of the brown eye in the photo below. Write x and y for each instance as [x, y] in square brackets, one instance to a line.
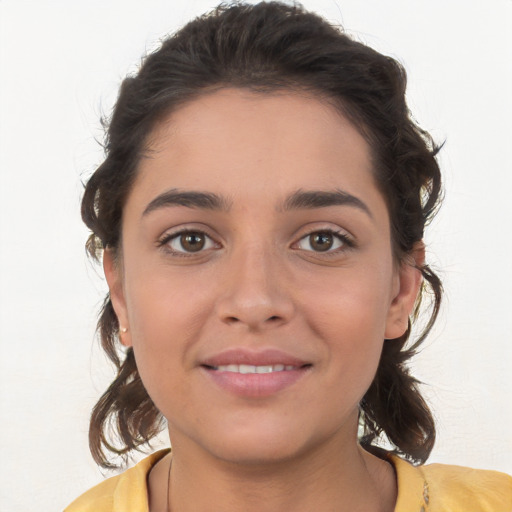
[192, 242]
[324, 241]
[189, 242]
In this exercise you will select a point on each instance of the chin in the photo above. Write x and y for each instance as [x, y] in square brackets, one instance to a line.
[259, 452]
[264, 444]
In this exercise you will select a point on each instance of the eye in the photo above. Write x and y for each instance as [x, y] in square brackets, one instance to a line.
[323, 241]
[188, 242]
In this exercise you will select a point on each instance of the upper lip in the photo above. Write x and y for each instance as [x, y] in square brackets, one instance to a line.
[264, 357]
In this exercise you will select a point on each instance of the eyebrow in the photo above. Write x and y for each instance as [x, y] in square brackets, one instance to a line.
[323, 199]
[190, 199]
[299, 200]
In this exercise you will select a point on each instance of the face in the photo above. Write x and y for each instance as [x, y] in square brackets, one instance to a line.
[256, 278]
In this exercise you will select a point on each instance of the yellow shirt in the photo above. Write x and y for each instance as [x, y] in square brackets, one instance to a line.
[430, 488]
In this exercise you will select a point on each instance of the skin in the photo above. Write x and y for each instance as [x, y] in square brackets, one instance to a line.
[260, 283]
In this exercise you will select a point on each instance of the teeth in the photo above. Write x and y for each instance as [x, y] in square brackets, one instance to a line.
[249, 368]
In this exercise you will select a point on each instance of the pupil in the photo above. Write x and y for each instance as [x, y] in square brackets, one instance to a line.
[192, 242]
[321, 241]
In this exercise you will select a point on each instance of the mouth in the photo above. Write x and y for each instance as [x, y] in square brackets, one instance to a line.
[254, 374]
[243, 360]
[246, 369]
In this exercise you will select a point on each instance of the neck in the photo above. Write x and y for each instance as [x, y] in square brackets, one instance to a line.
[333, 478]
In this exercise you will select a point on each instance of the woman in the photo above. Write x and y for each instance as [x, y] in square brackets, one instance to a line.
[260, 216]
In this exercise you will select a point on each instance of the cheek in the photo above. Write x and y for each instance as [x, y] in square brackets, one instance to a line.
[353, 302]
[349, 315]
[164, 326]
[166, 317]
[162, 301]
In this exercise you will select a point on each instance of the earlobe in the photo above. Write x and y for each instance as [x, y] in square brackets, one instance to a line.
[113, 275]
[409, 280]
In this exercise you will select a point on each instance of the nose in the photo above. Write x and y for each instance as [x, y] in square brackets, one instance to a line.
[255, 292]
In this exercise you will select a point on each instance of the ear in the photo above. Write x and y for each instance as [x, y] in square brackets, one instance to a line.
[114, 275]
[408, 283]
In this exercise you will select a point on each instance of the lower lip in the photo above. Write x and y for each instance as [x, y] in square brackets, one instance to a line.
[255, 385]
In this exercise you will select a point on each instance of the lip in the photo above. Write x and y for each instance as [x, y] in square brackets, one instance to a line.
[254, 385]
[253, 357]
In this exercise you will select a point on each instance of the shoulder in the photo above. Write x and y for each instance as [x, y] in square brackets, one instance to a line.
[447, 488]
[453, 487]
[100, 498]
[126, 492]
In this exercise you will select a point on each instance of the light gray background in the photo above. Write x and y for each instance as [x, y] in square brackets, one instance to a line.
[61, 63]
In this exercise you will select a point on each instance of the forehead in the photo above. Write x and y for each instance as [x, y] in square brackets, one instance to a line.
[239, 143]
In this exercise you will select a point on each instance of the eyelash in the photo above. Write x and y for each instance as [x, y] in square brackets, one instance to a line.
[164, 242]
[346, 241]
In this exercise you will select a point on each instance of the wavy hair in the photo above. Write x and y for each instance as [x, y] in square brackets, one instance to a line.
[268, 47]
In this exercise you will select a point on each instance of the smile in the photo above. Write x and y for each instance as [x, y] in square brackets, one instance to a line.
[254, 373]
[249, 368]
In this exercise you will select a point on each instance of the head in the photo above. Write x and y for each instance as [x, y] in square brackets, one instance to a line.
[253, 55]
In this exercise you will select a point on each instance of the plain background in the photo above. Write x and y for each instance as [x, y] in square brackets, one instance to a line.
[61, 63]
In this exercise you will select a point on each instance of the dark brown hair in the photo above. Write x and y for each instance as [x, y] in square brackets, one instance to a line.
[269, 47]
